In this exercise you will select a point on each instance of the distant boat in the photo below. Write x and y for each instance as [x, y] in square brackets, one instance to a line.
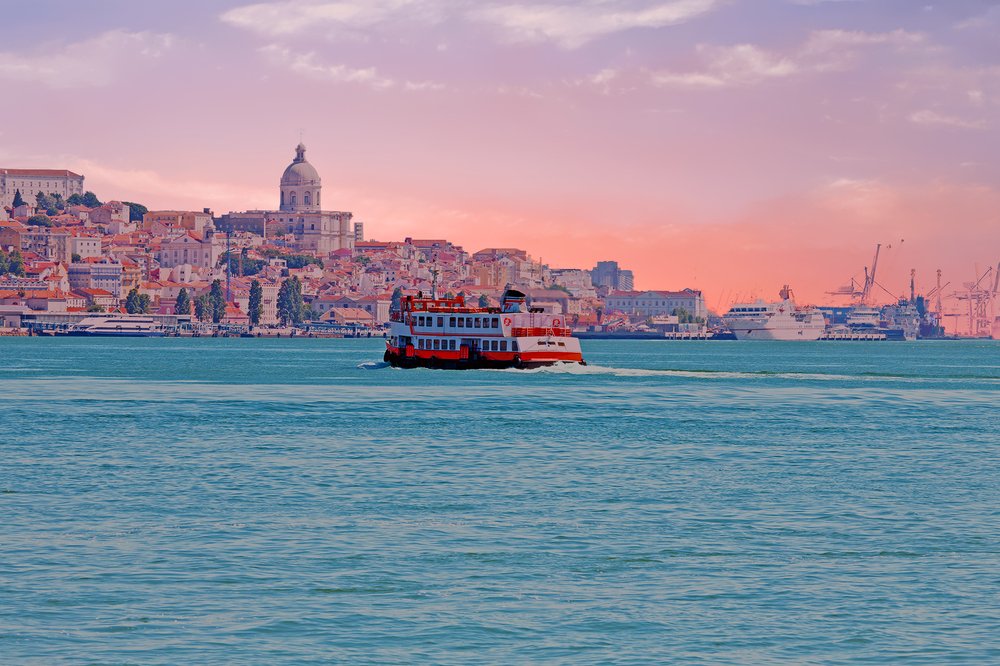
[129, 326]
[780, 320]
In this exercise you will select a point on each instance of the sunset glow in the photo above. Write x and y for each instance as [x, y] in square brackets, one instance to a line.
[724, 145]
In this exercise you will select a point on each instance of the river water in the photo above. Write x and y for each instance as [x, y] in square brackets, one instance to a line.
[294, 501]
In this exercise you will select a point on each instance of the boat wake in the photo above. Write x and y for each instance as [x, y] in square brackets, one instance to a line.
[372, 365]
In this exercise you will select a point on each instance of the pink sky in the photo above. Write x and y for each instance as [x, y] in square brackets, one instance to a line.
[722, 144]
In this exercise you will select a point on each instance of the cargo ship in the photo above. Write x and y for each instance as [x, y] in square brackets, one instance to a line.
[447, 333]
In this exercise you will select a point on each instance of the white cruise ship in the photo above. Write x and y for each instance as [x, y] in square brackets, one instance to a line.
[781, 320]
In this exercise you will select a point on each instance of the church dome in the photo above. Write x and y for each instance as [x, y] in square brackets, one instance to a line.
[300, 172]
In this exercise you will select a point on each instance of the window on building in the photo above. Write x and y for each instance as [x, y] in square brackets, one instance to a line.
[305, 199]
[293, 198]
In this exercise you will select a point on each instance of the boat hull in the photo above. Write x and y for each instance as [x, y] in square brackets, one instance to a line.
[116, 334]
[474, 363]
[784, 334]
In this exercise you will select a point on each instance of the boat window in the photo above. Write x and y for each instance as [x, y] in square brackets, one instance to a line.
[437, 344]
[477, 323]
[496, 345]
[451, 322]
[513, 345]
[503, 345]
[495, 322]
[468, 322]
[441, 322]
[562, 344]
[461, 322]
[420, 343]
[451, 345]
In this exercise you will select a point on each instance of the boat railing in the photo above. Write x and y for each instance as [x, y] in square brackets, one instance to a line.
[540, 331]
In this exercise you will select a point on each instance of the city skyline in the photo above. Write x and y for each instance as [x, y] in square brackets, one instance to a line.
[702, 144]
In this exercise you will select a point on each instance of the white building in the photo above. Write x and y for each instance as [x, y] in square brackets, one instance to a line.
[30, 182]
[86, 246]
[656, 303]
[104, 274]
[300, 210]
[187, 248]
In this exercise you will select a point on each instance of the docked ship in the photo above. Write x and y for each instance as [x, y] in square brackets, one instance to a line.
[779, 320]
[118, 326]
[447, 333]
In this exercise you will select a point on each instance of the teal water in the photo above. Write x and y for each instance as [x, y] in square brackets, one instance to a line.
[291, 501]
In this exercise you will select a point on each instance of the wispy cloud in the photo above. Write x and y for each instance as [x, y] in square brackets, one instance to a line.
[928, 117]
[308, 65]
[295, 16]
[94, 62]
[572, 25]
[567, 24]
[749, 64]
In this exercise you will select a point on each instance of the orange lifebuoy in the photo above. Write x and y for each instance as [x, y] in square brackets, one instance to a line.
[555, 322]
[506, 321]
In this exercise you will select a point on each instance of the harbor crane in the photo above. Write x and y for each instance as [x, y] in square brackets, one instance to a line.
[981, 298]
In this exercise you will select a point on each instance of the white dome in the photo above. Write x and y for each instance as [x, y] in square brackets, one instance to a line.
[300, 173]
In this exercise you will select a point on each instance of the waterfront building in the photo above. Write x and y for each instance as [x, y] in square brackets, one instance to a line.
[30, 182]
[655, 303]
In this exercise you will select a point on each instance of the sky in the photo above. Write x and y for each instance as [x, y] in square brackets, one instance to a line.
[727, 145]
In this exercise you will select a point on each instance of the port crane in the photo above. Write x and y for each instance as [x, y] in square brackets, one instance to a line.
[862, 292]
[981, 299]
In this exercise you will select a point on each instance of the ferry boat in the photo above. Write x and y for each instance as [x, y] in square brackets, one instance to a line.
[781, 320]
[447, 333]
[118, 325]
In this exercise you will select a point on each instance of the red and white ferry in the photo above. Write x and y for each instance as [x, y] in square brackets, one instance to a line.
[446, 333]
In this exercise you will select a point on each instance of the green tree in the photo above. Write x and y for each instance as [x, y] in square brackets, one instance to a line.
[217, 302]
[15, 264]
[90, 200]
[256, 304]
[202, 309]
[39, 221]
[483, 301]
[4, 262]
[136, 211]
[94, 307]
[74, 257]
[290, 305]
[132, 305]
[145, 304]
[18, 199]
[75, 200]
[183, 305]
